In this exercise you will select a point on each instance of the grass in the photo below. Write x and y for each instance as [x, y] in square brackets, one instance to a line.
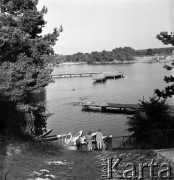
[21, 159]
[24, 160]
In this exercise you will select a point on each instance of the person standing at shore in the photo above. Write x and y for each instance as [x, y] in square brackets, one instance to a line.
[78, 144]
[99, 139]
[89, 141]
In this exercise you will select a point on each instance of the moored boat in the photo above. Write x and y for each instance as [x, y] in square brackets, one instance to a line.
[68, 138]
[76, 136]
[45, 134]
[54, 137]
[71, 143]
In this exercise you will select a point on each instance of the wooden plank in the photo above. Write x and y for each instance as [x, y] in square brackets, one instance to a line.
[74, 74]
[132, 106]
[98, 76]
[120, 106]
[113, 105]
[104, 75]
[95, 105]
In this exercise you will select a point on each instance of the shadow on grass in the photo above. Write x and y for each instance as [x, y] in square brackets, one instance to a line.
[19, 158]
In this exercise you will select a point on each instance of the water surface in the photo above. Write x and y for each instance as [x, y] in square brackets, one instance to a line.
[64, 96]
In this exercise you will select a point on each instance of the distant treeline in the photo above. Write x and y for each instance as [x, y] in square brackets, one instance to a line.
[117, 54]
[155, 51]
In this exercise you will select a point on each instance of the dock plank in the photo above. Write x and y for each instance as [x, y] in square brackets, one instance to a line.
[112, 105]
[96, 75]
[106, 106]
[132, 106]
[63, 75]
[105, 75]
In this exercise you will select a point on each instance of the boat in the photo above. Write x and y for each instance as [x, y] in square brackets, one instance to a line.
[104, 137]
[83, 138]
[71, 142]
[94, 134]
[76, 136]
[54, 137]
[68, 138]
[45, 134]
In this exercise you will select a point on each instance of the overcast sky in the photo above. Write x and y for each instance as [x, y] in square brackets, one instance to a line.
[96, 25]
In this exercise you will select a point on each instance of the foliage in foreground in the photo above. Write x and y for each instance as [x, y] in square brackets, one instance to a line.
[149, 125]
[152, 126]
[23, 66]
[168, 92]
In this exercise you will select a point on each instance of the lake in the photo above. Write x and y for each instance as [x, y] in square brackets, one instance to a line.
[63, 97]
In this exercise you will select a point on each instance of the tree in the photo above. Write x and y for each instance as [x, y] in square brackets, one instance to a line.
[149, 52]
[24, 52]
[156, 113]
[168, 92]
[154, 117]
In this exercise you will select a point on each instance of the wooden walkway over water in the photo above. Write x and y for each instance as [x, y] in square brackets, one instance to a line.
[115, 108]
[97, 76]
[68, 75]
[110, 107]
[108, 75]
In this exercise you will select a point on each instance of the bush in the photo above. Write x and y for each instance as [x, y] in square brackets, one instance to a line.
[150, 124]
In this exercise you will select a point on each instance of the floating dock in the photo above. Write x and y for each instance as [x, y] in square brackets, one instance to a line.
[111, 107]
[68, 75]
[96, 75]
[107, 75]
[115, 108]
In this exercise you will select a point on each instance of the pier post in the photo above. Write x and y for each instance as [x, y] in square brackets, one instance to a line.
[103, 109]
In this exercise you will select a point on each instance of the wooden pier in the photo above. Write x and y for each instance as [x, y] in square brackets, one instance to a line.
[68, 75]
[96, 75]
[111, 107]
[115, 108]
[107, 75]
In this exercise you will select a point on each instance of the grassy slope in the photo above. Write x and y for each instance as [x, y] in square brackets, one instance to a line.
[21, 160]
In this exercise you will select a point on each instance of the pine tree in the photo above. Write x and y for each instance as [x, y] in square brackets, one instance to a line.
[156, 114]
[24, 52]
[167, 39]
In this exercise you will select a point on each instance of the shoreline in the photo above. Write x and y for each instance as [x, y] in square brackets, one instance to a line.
[144, 59]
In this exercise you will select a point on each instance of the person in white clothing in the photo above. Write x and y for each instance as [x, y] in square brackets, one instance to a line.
[99, 139]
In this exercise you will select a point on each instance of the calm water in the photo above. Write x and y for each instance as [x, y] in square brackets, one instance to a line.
[140, 80]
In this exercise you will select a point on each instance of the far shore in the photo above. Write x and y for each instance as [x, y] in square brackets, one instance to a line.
[140, 59]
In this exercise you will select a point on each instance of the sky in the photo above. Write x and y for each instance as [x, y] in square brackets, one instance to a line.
[96, 25]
